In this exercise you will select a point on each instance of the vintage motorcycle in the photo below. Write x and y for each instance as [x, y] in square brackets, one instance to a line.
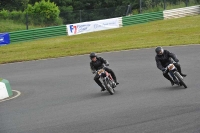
[175, 75]
[107, 80]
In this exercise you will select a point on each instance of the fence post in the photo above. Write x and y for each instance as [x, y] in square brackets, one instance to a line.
[186, 3]
[26, 21]
[164, 4]
[128, 10]
[80, 16]
[140, 6]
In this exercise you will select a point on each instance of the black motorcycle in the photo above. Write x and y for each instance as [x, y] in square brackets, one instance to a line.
[175, 75]
[107, 80]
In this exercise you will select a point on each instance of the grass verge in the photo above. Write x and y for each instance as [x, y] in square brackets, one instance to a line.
[10, 25]
[172, 32]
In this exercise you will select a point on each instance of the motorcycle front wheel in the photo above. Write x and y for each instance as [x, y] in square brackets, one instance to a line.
[180, 79]
[108, 85]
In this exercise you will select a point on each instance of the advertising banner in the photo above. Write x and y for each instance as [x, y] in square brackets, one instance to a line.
[85, 27]
[4, 38]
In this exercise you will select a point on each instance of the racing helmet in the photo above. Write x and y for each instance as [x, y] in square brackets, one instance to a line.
[92, 55]
[159, 50]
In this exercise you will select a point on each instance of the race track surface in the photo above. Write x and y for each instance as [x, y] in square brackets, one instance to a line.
[60, 95]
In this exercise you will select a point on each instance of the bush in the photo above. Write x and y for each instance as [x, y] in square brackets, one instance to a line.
[43, 13]
[18, 16]
[135, 11]
[4, 14]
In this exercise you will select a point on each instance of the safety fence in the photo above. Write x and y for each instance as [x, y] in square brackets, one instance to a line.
[53, 31]
[181, 12]
[32, 34]
[142, 18]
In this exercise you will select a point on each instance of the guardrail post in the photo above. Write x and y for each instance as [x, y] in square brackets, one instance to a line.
[164, 4]
[26, 20]
[140, 6]
[186, 3]
[80, 16]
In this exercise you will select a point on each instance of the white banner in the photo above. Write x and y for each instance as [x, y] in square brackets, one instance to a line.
[85, 27]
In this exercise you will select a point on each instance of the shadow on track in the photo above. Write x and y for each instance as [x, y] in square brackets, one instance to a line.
[170, 88]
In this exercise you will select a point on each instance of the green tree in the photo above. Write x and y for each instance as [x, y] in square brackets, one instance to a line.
[43, 12]
[23, 4]
[64, 5]
[11, 5]
[7, 5]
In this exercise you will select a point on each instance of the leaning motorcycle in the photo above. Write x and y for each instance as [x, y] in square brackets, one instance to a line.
[175, 75]
[107, 80]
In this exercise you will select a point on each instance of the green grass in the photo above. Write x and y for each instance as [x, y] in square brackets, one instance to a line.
[171, 32]
[10, 25]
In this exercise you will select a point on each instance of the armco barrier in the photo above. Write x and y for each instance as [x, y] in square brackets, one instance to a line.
[181, 12]
[142, 18]
[32, 34]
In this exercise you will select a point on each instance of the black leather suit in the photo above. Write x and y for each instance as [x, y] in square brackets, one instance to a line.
[162, 61]
[98, 64]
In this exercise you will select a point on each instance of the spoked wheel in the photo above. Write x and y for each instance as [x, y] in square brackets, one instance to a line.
[108, 85]
[180, 79]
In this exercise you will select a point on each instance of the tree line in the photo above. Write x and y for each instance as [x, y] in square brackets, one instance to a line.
[73, 5]
[56, 12]
[66, 5]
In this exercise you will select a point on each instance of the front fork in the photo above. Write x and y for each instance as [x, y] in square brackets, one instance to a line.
[175, 79]
[172, 74]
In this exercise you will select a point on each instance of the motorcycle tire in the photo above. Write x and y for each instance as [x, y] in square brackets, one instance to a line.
[180, 79]
[108, 86]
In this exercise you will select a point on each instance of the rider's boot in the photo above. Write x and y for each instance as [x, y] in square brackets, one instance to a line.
[100, 84]
[175, 81]
[116, 82]
[114, 77]
[172, 82]
[103, 88]
[168, 77]
[184, 75]
[179, 70]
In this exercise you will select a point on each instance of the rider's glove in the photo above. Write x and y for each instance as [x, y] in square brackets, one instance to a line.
[94, 72]
[107, 64]
[176, 60]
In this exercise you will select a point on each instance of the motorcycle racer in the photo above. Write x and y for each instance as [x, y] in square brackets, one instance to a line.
[163, 59]
[98, 63]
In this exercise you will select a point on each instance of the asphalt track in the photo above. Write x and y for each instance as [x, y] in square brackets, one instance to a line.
[60, 96]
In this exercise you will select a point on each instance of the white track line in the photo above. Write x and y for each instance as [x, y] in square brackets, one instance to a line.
[18, 93]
